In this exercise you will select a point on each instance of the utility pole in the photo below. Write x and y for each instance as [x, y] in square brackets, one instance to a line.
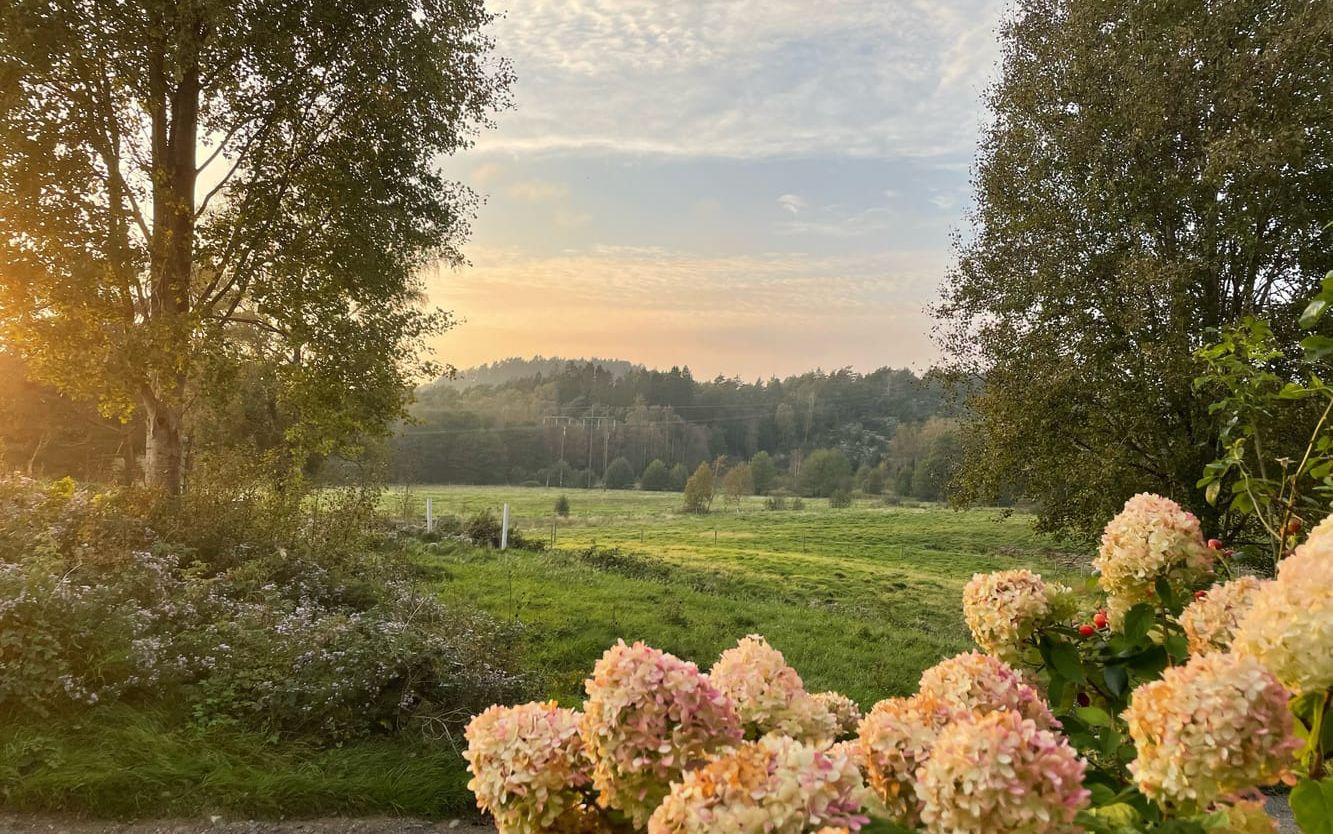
[563, 422]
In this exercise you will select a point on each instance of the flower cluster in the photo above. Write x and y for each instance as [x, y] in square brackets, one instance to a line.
[1003, 609]
[1215, 726]
[1210, 621]
[650, 716]
[527, 766]
[769, 694]
[846, 713]
[1001, 772]
[776, 785]
[980, 683]
[1152, 537]
[1289, 626]
[896, 739]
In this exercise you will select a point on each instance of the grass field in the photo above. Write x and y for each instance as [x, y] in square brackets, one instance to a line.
[860, 600]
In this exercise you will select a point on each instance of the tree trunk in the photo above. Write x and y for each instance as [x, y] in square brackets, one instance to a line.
[162, 460]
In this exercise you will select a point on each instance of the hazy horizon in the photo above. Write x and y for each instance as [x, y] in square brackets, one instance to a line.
[780, 200]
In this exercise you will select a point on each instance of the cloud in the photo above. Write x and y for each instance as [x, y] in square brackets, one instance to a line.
[792, 203]
[746, 78]
[538, 191]
[487, 173]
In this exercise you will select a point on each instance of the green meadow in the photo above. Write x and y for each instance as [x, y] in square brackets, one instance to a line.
[860, 600]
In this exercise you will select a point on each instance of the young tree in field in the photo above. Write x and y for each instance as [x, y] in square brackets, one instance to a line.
[738, 483]
[1152, 171]
[655, 477]
[679, 477]
[189, 184]
[824, 471]
[699, 490]
[764, 472]
[619, 475]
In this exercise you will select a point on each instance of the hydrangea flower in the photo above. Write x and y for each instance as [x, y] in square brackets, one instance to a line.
[1210, 622]
[769, 694]
[1001, 772]
[846, 713]
[1289, 626]
[527, 766]
[981, 683]
[1152, 537]
[1005, 608]
[776, 785]
[895, 740]
[650, 716]
[1246, 816]
[1208, 729]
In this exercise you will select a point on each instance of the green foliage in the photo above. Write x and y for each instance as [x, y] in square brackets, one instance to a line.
[699, 490]
[764, 472]
[656, 477]
[619, 475]
[1312, 805]
[1275, 468]
[562, 506]
[1094, 267]
[839, 499]
[738, 483]
[679, 477]
[823, 472]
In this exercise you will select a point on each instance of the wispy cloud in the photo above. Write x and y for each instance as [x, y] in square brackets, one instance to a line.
[792, 203]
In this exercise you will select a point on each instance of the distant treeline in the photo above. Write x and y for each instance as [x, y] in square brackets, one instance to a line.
[587, 423]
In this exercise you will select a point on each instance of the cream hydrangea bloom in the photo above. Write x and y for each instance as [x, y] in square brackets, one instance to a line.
[776, 784]
[1208, 729]
[1001, 772]
[769, 694]
[1210, 622]
[650, 716]
[846, 713]
[1289, 626]
[1005, 608]
[980, 683]
[895, 740]
[527, 766]
[1151, 537]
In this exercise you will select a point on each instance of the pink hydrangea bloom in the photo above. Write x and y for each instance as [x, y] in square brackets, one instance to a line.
[846, 713]
[895, 740]
[1151, 537]
[527, 766]
[1210, 622]
[1001, 772]
[776, 785]
[769, 695]
[1003, 609]
[981, 683]
[1208, 729]
[649, 717]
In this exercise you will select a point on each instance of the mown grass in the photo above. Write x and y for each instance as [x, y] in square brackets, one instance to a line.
[860, 600]
[124, 762]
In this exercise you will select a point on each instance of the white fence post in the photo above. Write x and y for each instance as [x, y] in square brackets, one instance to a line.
[504, 528]
[430, 515]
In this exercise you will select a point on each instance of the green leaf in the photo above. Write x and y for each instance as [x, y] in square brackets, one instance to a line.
[1314, 311]
[1312, 805]
[1177, 646]
[1317, 347]
[1139, 621]
[1095, 716]
[1063, 657]
[1117, 680]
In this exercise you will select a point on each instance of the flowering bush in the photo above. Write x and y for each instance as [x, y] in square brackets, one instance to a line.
[650, 716]
[1152, 538]
[1210, 621]
[1208, 729]
[527, 766]
[895, 740]
[769, 694]
[846, 713]
[1001, 772]
[1004, 609]
[1289, 626]
[776, 784]
[979, 683]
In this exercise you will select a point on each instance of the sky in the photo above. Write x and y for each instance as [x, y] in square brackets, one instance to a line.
[746, 187]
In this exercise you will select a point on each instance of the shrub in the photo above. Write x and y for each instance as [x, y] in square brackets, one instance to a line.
[619, 475]
[798, 503]
[699, 490]
[562, 506]
[839, 499]
[656, 477]
[775, 502]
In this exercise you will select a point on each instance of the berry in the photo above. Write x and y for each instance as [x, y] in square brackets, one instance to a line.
[1100, 619]
[1200, 594]
[1086, 630]
[1083, 699]
[1214, 544]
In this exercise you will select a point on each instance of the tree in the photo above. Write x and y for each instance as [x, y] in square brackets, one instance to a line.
[562, 506]
[619, 475]
[679, 476]
[699, 490]
[764, 472]
[1151, 172]
[656, 477]
[738, 483]
[937, 467]
[824, 471]
[190, 184]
